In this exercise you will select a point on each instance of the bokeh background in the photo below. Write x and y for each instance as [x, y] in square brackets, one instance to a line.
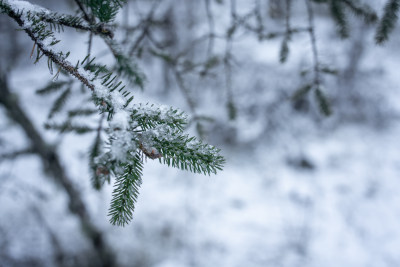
[298, 188]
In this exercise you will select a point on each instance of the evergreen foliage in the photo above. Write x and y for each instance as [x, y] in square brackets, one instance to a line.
[338, 14]
[104, 10]
[125, 67]
[340, 8]
[134, 131]
[361, 10]
[126, 190]
[323, 103]
[388, 21]
[60, 102]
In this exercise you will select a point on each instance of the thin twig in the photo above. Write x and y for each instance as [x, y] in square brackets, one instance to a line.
[258, 14]
[15, 154]
[64, 64]
[211, 26]
[227, 64]
[311, 31]
[68, 21]
[145, 25]
[85, 14]
[185, 90]
[56, 170]
[287, 17]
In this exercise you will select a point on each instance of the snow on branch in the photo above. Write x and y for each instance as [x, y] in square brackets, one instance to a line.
[134, 131]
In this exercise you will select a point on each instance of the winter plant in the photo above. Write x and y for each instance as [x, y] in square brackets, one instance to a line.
[134, 131]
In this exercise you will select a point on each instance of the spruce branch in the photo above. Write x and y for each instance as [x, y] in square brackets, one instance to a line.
[362, 10]
[38, 39]
[339, 16]
[126, 191]
[15, 154]
[284, 51]
[150, 116]
[317, 79]
[125, 66]
[320, 97]
[154, 131]
[388, 21]
[104, 10]
[103, 87]
[77, 23]
[187, 153]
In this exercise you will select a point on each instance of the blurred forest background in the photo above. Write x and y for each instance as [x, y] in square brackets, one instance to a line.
[299, 187]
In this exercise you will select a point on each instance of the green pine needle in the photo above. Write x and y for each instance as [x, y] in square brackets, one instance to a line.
[323, 103]
[126, 191]
[52, 87]
[362, 10]
[339, 16]
[284, 51]
[60, 102]
[104, 10]
[301, 92]
[187, 153]
[388, 21]
[155, 131]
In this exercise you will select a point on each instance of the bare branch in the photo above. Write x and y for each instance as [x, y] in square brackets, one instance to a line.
[54, 167]
[311, 30]
[15, 154]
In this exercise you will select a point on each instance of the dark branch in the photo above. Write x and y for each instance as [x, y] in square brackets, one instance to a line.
[54, 167]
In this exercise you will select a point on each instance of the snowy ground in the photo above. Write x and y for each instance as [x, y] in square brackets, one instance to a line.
[260, 211]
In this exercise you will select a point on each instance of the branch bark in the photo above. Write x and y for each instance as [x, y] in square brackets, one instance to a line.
[104, 256]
